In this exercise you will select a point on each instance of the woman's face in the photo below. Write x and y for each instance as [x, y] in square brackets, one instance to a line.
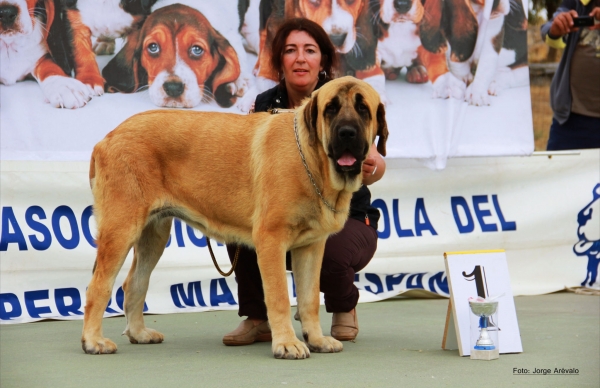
[301, 61]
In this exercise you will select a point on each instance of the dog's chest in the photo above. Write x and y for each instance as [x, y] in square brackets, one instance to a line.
[399, 48]
[105, 17]
[19, 56]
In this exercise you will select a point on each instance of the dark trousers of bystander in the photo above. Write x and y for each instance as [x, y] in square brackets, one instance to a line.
[346, 253]
[578, 132]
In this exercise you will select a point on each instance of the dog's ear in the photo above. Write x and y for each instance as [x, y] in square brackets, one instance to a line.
[311, 113]
[139, 7]
[49, 6]
[286, 9]
[460, 29]
[58, 36]
[431, 27]
[124, 73]
[226, 71]
[363, 55]
[382, 130]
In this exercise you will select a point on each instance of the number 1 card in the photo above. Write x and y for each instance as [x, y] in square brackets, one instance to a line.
[484, 274]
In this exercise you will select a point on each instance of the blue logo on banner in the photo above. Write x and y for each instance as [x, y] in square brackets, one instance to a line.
[588, 233]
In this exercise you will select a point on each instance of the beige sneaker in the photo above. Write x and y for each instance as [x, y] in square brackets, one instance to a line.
[248, 333]
[344, 326]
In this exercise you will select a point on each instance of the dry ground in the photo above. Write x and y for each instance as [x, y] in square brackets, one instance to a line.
[539, 52]
[542, 112]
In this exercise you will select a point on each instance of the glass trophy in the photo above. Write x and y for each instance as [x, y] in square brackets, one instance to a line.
[484, 329]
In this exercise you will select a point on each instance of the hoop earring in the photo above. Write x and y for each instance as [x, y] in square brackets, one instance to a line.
[322, 75]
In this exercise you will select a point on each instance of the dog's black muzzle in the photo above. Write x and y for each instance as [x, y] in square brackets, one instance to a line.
[348, 148]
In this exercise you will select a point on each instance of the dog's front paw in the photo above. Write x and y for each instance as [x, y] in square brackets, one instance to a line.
[241, 86]
[477, 96]
[447, 85]
[98, 346]
[501, 81]
[94, 82]
[65, 92]
[391, 73]
[144, 336]
[461, 70]
[417, 74]
[227, 94]
[290, 350]
[323, 344]
[244, 104]
[104, 46]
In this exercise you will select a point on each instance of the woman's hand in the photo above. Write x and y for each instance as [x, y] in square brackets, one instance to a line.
[373, 167]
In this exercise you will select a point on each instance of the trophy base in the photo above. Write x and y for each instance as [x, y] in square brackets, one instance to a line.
[486, 355]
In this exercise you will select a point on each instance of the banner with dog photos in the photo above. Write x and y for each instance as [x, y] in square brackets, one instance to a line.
[448, 92]
[542, 210]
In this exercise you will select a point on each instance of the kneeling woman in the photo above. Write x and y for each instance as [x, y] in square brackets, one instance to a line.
[306, 58]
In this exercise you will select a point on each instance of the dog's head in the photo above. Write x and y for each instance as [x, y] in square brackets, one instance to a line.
[345, 116]
[22, 17]
[449, 21]
[182, 58]
[397, 11]
[339, 18]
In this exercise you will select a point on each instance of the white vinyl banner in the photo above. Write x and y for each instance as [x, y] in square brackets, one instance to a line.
[541, 209]
[437, 108]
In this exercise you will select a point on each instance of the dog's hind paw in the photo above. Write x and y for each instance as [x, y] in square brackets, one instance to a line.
[100, 346]
[295, 350]
[325, 344]
[145, 336]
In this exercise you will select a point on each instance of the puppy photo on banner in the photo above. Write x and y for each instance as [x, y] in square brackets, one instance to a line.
[450, 88]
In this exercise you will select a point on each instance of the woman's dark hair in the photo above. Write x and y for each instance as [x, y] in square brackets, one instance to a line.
[329, 59]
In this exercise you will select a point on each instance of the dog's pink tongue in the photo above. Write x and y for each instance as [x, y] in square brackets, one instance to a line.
[347, 159]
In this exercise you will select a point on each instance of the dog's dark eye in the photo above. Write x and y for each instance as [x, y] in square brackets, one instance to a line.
[362, 107]
[153, 48]
[331, 108]
[196, 51]
[350, 2]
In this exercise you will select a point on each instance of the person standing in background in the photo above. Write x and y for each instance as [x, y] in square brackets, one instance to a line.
[575, 89]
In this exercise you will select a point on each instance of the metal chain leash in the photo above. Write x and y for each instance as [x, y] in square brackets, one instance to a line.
[312, 180]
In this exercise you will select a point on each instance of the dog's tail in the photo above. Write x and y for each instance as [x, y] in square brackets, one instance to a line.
[92, 180]
[92, 171]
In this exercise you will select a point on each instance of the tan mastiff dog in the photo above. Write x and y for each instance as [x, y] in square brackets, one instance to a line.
[239, 179]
